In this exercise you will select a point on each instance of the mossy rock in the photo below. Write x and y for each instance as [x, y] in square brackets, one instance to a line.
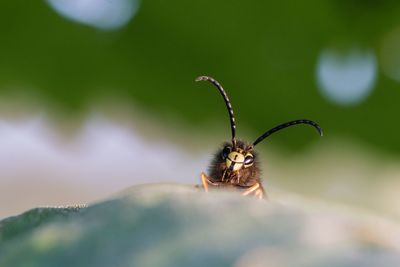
[171, 225]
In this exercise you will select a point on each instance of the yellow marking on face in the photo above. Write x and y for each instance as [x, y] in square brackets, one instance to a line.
[235, 158]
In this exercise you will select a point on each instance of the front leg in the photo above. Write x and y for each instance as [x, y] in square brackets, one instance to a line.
[256, 189]
[205, 180]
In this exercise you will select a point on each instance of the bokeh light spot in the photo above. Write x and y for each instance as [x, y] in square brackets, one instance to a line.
[346, 78]
[101, 14]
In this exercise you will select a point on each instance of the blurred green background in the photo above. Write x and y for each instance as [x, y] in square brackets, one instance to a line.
[265, 54]
[336, 62]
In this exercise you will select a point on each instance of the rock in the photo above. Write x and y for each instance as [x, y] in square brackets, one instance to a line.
[172, 225]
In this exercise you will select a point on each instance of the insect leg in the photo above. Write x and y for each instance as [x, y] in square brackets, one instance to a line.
[251, 189]
[259, 193]
[205, 180]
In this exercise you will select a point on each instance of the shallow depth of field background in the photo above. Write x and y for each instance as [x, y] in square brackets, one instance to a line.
[98, 95]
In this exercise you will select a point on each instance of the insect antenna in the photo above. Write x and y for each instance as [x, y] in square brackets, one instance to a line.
[285, 125]
[227, 102]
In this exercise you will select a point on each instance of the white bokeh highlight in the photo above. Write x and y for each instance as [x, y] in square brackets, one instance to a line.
[346, 78]
[101, 14]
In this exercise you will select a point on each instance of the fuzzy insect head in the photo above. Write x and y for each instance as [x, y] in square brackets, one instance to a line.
[235, 164]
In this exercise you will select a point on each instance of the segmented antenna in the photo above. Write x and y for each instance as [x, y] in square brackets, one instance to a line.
[227, 102]
[285, 125]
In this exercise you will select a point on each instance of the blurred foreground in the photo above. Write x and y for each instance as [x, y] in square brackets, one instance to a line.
[171, 225]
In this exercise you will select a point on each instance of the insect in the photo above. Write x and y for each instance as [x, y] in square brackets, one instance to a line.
[235, 164]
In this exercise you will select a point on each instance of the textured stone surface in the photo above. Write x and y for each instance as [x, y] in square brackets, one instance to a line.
[171, 225]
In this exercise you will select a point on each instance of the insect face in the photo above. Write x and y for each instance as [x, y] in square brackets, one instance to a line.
[234, 165]
[236, 159]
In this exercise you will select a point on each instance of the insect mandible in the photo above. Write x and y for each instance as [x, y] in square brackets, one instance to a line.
[235, 164]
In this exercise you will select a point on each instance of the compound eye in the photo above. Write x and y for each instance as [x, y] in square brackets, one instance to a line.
[248, 160]
[225, 152]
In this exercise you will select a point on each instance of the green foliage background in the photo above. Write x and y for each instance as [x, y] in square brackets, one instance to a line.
[263, 52]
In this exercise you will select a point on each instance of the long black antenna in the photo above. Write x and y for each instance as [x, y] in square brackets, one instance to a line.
[227, 102]
[285, 125]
